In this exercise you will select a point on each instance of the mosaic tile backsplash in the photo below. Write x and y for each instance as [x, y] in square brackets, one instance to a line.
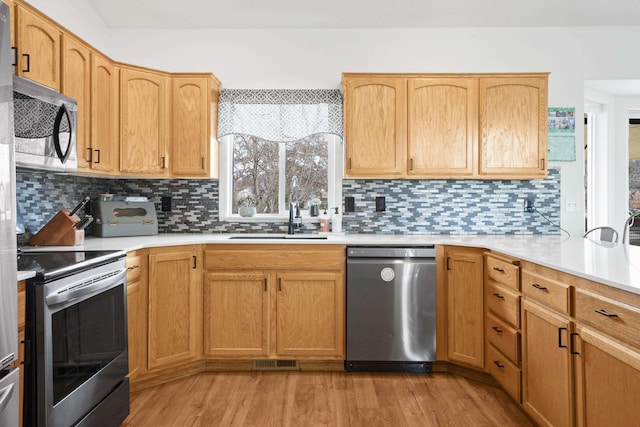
[412, 206]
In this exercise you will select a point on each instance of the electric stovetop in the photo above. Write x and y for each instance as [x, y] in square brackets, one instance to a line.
[50, 265]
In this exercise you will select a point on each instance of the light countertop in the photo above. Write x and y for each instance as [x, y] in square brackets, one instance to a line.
[614, 265]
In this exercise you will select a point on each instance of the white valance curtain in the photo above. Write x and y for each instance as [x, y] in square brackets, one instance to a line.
[281, 115]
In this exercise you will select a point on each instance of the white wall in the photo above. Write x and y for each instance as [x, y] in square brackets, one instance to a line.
[316, 58]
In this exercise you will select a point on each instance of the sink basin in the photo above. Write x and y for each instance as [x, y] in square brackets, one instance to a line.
[279, 237]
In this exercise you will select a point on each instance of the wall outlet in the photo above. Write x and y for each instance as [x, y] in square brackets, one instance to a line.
[571, 206]
[349, 204]
[529, 204]
[165, 203]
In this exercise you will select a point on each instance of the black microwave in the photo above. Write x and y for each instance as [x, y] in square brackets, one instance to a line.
[45, 123]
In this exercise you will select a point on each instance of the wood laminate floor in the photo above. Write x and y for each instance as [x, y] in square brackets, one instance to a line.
[261, 398]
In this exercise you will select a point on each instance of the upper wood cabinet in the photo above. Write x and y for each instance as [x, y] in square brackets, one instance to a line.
[194, 147]
[76, 84]
[375, 126]
[103, 151]
[513, 126]
[144, 121]
[38, 43]
[442, 126]
[445, 126]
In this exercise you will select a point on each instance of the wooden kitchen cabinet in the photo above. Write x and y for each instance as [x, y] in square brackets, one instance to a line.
[175, 306]
[547, 377]
[236, 314]
[464, 295]
[103, 152]
[38, 43]
[607, 380]
[513, 126]
[144, 121]
[76, 84]
[482, 126]
[274, 301]
[375, 126]
[194, 147]
[442, 126]
[310, 314]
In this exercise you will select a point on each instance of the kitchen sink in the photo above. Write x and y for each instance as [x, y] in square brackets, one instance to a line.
[279, 237]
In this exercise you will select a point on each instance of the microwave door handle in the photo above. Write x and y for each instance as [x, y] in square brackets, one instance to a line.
[79, 290]
[62, 112]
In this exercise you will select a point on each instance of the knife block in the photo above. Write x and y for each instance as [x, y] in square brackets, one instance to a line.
[59, 231]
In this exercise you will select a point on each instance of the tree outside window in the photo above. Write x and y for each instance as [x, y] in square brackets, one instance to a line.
[268, 174]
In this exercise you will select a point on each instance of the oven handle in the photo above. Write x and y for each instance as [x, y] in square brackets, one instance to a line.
[86, 287]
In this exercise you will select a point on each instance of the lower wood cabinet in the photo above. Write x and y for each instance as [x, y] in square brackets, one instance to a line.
[136, 313]
[274, 301]
[464, 277]
[175, 306]
[236, 314]
[310, 314]
[607, 380]
[547, 378]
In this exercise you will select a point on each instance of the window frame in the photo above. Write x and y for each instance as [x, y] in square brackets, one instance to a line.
[225, 184]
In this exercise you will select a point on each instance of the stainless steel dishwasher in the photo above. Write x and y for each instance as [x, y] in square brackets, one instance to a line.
[391, 308]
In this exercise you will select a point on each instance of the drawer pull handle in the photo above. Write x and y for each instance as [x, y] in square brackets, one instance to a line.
[498, 269]
[497, 295]
[604, 313]
[195, 262]
[538, 286]
[133, 267]
[498, 330]
[497, 363]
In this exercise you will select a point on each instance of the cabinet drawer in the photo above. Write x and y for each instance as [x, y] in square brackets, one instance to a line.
[614, 318]
[503, 337]
[503, 272]
[503, 302]
[550, 292]
[134, 268]
[505, 372]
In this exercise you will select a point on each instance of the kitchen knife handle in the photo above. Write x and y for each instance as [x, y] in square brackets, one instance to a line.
[80, 206]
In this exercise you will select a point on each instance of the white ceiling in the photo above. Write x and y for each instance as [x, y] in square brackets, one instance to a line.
[229, 14]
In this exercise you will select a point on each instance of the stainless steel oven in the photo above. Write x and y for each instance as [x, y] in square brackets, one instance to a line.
[76, 341]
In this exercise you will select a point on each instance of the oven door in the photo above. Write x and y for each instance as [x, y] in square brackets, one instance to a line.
[81, 346]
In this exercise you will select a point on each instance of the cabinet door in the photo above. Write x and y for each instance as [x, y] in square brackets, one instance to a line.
[547, 381]
[310, 315]
[175, 307]
[191, 111]
[464, 306]
[513, 127]
[442, 126]
[375, 126]
[235, 314]
[607, 381]
[76, 84]
[38, 48]
[144, 122]
[104, 115]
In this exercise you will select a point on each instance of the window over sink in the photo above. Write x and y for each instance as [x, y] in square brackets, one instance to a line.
[278, 146]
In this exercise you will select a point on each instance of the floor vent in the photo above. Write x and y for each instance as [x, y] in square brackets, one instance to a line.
[270, 364]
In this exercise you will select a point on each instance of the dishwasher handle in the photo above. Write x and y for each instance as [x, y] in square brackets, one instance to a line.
[427, 251]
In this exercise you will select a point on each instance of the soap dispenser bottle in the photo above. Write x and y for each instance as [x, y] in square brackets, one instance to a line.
[324, 222]
[336, 222]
